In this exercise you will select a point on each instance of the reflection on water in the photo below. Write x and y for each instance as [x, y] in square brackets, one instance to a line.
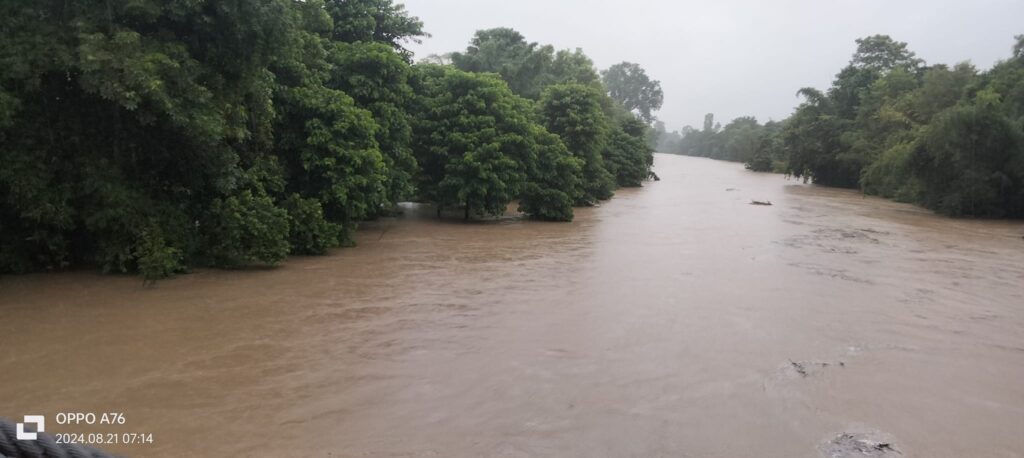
[675, 320]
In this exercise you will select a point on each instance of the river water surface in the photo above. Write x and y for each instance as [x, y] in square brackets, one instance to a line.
[675, 320]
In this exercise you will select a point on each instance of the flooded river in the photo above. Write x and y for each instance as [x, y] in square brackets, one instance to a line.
[674, 320]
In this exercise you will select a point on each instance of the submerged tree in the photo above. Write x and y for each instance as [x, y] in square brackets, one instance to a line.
[554, 178]
[573, 112]
[479, 148]
[970, 162]
[169, 135]
[378, 80]
[153, 136]
[130, 129]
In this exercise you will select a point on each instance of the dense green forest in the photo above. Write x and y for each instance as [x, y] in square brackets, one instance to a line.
[948, 138]
[151, 136]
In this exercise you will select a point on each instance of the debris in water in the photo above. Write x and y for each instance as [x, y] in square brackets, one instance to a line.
[731, 189]
[806, 368]
[799, 368]
[760, 202]
[847, 445]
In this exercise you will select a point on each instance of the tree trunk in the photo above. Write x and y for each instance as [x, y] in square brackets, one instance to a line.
[466, 218]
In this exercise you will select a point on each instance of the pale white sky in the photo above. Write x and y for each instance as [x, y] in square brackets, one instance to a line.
[732, 57]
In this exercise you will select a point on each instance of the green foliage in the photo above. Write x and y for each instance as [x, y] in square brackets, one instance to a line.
[479, 147]
[470, 139]
[629, 85]
[378, 80]
[628, 158]
[741, 140]
[164, 135]
[380, 21]
[813, 141]
[881, 53]
[527, 67]
[309, 232]
[833, 136]
[949, 139]
[628, 152]
[144, 113]
[891, 174]
[573, 104]
[331, 154]
[971, 163]
[574, 113]
[572, 67]
[940, 88]
[554, 179]
[768, 156]
[156, 260]
[504, 51]
[129, 229]
[36, 213]
[246, 228]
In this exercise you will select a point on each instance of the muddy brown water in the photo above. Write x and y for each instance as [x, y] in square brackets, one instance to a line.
[675, 320]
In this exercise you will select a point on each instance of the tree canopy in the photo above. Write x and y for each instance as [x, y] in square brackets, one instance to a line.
[153, 136]
[948, 138]
[629, 85]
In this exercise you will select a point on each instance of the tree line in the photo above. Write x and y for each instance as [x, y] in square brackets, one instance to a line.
[948, 138]
[153, 136]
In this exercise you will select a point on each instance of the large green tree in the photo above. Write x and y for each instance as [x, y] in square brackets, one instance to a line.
[628, 84]
[573, 112]
[970, 162]
[381, 21]
[377, 78]
[819, 138]
[163, 135]
[554, 178]
[479, 148]
[126, 124]
[523, 65]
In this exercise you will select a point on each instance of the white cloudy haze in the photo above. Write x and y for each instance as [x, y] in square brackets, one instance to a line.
[732, 57]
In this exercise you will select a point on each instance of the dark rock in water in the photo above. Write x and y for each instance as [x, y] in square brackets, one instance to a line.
[848, 445]
[760, 202]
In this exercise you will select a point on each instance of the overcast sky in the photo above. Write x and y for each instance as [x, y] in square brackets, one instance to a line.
[732, 57]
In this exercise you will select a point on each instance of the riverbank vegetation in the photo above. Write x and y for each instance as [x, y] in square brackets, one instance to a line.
[151, 136]
[949, 138]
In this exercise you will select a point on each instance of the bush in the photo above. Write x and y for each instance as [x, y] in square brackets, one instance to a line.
[309, 232]
[546, 204]
[155, 259]
[626, 158]
[555, 179]
[246, 229]
[890, 175]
